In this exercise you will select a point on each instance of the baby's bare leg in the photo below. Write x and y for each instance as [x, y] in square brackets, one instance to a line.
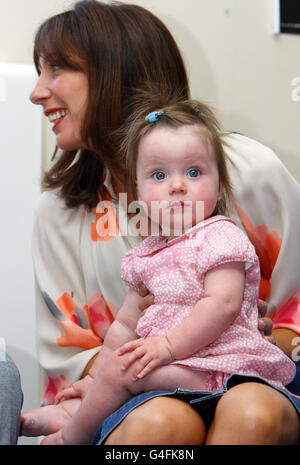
[113, 386]
[171, 377]
[49, 419]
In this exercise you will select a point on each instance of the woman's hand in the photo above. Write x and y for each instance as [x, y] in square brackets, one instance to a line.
[147, 300]
[265, 324]
[281, 337]
[147, 354]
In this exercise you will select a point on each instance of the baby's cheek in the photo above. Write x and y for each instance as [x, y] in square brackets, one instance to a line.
[151, 199]
[210, 202]
[148, 192]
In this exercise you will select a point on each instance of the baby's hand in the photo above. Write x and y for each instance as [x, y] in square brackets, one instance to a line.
[147, 354]
[67, 393]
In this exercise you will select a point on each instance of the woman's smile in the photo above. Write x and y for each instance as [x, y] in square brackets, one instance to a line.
[55, 115]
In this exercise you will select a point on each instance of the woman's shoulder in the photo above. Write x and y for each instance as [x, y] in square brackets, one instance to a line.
[250, 154]
[254, 168]
[51, 209]
[235, 140]
[49, 198]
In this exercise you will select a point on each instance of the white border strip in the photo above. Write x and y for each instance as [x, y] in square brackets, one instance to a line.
[276, 25]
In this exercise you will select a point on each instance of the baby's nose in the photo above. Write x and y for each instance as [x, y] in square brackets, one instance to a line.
[177, 185]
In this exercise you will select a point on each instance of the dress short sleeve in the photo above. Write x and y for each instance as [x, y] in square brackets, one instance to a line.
[129, 273]
[224, 242]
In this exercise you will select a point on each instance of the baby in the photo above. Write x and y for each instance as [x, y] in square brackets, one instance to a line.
[202, 271]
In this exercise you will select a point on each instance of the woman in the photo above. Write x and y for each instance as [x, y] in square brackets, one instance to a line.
[91, 61]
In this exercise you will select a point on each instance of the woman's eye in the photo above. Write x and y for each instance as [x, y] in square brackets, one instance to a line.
[158, 175]
[55, 68]
[193, 173]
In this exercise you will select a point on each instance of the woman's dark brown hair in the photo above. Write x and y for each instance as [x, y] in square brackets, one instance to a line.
[181, 113]
[122, 48]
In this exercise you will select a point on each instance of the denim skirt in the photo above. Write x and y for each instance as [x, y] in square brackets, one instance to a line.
[203, 402]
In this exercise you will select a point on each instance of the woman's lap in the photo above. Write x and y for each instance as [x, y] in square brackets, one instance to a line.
[254, 413]
[203, 402]
[160, 421]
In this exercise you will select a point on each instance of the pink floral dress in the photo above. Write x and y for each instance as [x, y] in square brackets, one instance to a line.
[174, 273]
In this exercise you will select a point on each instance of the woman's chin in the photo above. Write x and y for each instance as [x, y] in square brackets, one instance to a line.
[67, 144]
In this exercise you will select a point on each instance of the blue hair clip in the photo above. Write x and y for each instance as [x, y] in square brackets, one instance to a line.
[154, 116]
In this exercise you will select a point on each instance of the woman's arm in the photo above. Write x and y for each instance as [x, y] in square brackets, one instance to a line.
[275, 237]
[64, 346]
[284, 340]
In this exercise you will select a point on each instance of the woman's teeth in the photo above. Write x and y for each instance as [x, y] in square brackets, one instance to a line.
[53, 117]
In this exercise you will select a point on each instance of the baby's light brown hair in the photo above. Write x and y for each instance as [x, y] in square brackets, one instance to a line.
[188, 112]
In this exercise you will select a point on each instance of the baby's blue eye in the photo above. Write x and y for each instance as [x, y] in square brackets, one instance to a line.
[158, 175]
[193, 173]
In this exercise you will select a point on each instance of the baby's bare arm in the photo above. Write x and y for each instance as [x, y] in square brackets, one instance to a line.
[121, 331]
[223, 295]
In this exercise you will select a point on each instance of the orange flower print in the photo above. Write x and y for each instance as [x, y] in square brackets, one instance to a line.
[101, 313]
[81, 327]
[267, 246]
[287, 315]
[53, 384]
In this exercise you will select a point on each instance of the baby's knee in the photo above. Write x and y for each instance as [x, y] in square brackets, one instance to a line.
[113, 371]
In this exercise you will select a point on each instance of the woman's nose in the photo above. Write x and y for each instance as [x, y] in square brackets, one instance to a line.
[40, 92]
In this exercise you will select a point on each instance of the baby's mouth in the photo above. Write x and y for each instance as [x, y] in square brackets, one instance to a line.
[176, 204]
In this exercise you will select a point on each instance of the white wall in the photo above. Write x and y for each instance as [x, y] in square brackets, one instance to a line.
[240, 67]
[234, 60]
[20, 152]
